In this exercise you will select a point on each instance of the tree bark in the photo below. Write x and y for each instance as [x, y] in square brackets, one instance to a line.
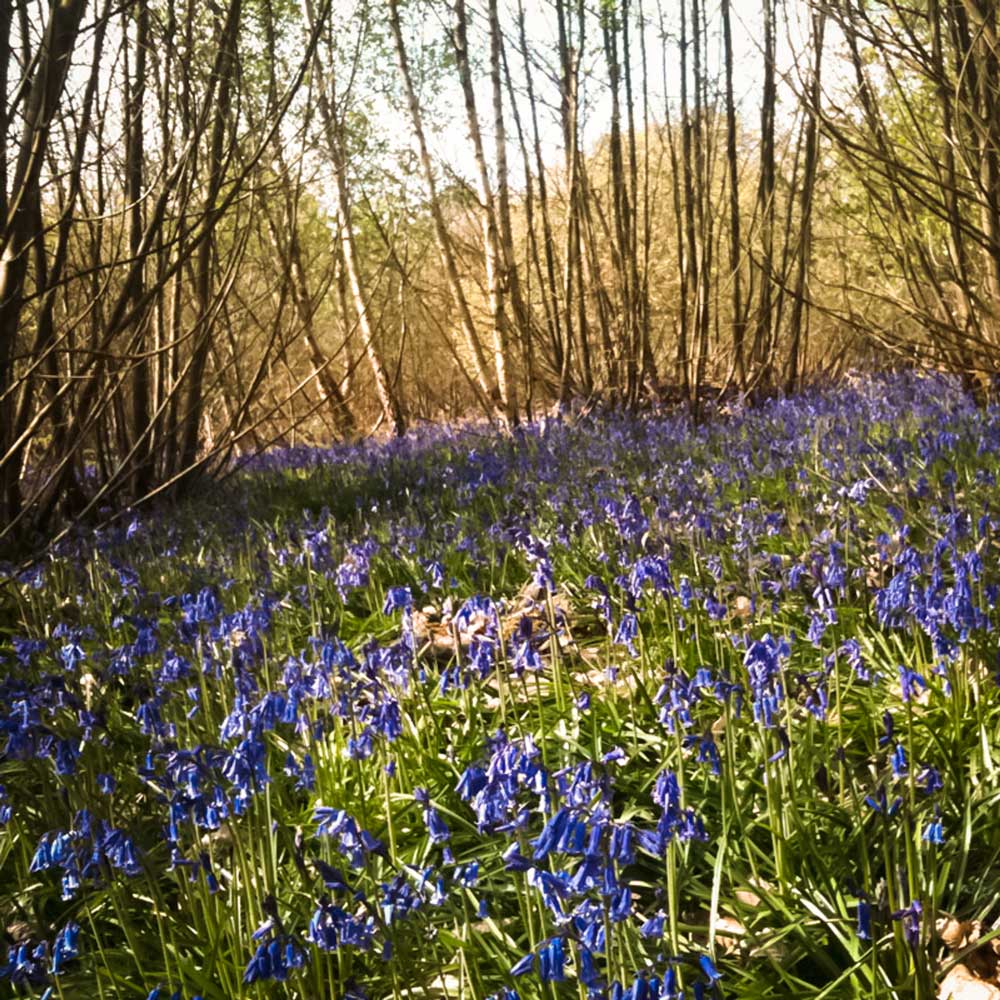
[336, 147]
[738, 322]
[487, 384]
[17, 234]
[804, 247]
[496, 265]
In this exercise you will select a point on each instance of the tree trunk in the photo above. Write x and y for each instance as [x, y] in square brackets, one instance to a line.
[487, 384]
[764, 329]
[134, 170]
[496, 265]
[224, 71]
[738, 322]
[17, 233]
[804, 249]
[336, 147]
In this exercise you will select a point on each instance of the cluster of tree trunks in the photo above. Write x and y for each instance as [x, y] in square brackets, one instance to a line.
[166, 296]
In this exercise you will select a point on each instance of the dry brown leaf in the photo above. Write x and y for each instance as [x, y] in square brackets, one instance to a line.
[728, 931]
[435, 631]
[220, 838]
[957, 933]
[983, 963]
[747, 897]
[961, 984]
